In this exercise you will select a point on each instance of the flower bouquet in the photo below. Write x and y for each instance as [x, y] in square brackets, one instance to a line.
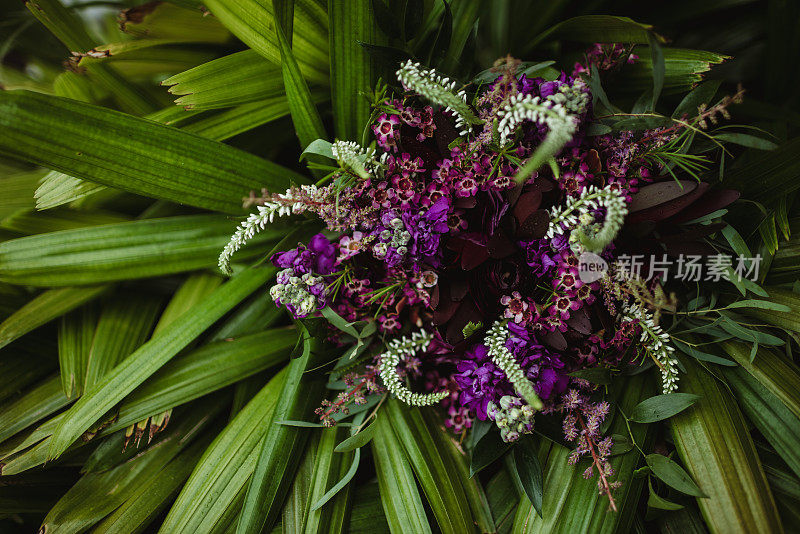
[542, 296]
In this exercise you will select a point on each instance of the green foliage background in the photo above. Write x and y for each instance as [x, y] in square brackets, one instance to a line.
[122, 173]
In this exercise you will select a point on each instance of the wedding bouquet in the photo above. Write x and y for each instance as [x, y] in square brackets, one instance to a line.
[507, 295]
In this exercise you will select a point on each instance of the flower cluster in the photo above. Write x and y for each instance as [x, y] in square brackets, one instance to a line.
[465, 253]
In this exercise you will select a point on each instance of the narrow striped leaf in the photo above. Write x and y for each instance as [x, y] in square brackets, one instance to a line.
[769, 415]
[789, 320]
[31, 222]
[775, 372]
[443, 490]
[223, 471]
[715, 446]
[232, 80]
[70, 30]
[279, 457]
[75, 337]
[306, 119]
[191, 293]
[38, 402]
[136, 249]
[19, 369]
[473, 490]
[96, 495]
[44, 308]
[253, 22]
[151, 356]
[351, 76]
[465, 15]
[124, 324]
[204, 370]
[400, 497]
[132, 154]
[153, 496]
[367, 517]
[503, 500]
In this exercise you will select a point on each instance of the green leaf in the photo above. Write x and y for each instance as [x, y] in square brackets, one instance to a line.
[124, 324]
[662, 407]
[357, 441]
[151, 356]
[714, 444]
[132, 154]
[760, 304]
[98, 494]
[750, 141]
[767, 176]
[253, 22]
[231, 80]
[595, 375]
[320, 147]
[75, 337]
[769, 415]
[660, 503]
[702, 94]
[135, 249]
[307, 122]
[673, 474]
[659, 68]
[488, 449]
[530, 473]
[219, 480]
[342, 483]
[435, 472]
[700, 355]
[598, 29]
[44, 308]
[35, 404]
[204, 370]
[788, 320]
[280, 450]
[400, 497]
[351, 76]
[70, 30]
[465, 16]
[31, 222]
[19, 369]
[154, 495]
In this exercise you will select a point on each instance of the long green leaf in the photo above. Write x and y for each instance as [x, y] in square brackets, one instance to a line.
[135, 249]
[433, 470]
[124, 324]
[70, 30]
[253, 22]
[151, 356]
[775, 372]
[207, 369]
[306, 119]
[278, 459]
[132, 154]
[37, 403]
[597, 29]
[350, 23]
[767, 175]
[222, 473]
[715, 446]
[44, 308]
[772, 418]
[232, 80]
[96, 495]
[75, 337]
[400, 497]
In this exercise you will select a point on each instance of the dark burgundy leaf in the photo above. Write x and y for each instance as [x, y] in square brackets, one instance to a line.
[710, 202]
[669, 208]
[535, 226]
[528, 203]
[499, 246]
[657, 194]
[580, 321]
[554, 339]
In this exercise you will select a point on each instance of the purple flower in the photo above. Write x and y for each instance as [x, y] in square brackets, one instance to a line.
[480, 380]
